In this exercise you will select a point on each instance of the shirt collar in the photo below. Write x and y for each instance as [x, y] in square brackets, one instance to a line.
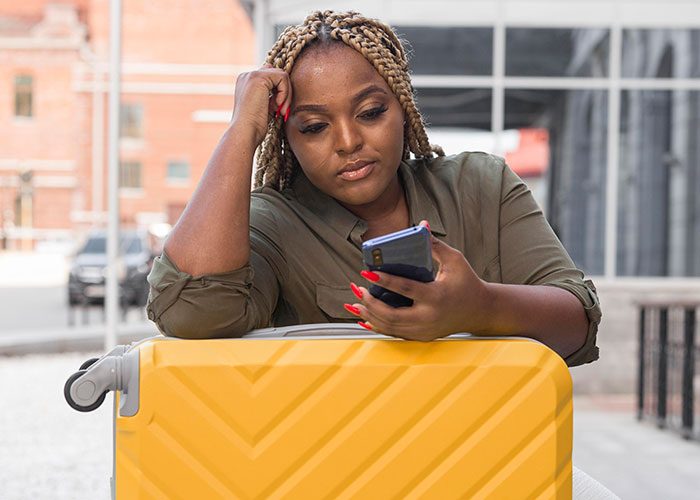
[326, 208]
[421, 206]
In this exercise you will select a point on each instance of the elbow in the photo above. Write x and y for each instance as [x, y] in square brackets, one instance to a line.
[190, 321]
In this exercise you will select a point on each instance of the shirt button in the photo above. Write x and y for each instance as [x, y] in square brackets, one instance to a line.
[151, 315]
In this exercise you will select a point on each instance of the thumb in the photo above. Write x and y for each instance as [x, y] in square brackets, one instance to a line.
[439, 249]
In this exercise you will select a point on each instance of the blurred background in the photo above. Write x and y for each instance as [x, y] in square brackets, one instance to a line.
[595, 104]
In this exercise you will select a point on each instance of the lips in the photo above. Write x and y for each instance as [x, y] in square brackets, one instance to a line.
[356, 170]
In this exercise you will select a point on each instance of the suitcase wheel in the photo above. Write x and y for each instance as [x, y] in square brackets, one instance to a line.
[69, 399]
[87, 364]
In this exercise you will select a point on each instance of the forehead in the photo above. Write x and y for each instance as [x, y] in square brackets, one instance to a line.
[334, 70]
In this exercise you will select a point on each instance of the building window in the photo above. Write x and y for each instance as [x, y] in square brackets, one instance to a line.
[557, 52]
[178, 171]
[130, 174]
[131, 121]
[445, 50]
[24, 95]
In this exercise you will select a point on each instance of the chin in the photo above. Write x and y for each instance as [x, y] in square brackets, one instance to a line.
[358, 196]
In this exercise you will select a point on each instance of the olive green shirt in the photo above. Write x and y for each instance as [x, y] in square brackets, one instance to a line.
[306, 249]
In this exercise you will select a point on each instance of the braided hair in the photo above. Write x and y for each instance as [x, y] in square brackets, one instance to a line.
[379, 46]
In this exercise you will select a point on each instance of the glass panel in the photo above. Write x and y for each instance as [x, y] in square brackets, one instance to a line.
[659, 184]
[556, 140]
[443, 107]
[178, 170]
[443, 50]
[661, 53]
[24, 90]
[130, 174]
[448, 51]
[557, 52]
[131, 121]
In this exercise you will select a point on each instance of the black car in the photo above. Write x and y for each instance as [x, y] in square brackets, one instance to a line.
[86, 282]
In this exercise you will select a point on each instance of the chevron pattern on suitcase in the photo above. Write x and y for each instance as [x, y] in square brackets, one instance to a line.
[347, 418]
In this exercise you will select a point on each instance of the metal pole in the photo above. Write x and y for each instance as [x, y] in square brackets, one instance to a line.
[112, 285]
[640, 373]
[261, 10]
[688, 372]
[662, 389]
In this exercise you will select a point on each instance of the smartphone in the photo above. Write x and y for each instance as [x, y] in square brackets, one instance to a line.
[404, 253]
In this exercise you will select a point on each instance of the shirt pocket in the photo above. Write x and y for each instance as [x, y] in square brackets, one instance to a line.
[331, 299]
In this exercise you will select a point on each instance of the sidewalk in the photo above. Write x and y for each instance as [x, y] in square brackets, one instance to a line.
[635, 460]
[53, 452]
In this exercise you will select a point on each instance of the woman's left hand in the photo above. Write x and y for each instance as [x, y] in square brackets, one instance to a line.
[456, 301]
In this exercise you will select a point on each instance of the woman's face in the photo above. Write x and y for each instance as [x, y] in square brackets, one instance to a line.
[345, 126]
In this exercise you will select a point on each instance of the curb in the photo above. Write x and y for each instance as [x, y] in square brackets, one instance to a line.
[80, 339]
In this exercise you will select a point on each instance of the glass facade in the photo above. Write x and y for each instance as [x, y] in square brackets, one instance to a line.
[557, 52]
[448, 51]
[659, 184]
[555, 133]
[455, 107]
[661, 53]
[545, 102]
[573, 180]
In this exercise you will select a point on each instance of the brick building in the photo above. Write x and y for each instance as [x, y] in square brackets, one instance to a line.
[180, 60]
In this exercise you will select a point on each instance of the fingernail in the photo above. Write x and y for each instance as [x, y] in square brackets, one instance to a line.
[277, 115]
[364, 325]
[373, 277]
[352, 309]
[286, 115]
[356, 290]
[427, 224]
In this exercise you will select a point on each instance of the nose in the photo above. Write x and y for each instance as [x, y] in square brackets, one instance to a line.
[348, 137]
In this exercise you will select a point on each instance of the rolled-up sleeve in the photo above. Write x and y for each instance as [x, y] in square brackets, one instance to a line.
[223, 304]
[531, 254]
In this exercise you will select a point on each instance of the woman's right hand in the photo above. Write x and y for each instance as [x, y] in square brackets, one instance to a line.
[259, 95]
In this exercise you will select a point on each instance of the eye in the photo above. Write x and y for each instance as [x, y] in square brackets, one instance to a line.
[374, 112]
[314, 128]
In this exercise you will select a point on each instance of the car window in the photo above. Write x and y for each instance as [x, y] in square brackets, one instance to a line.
[132, 245]
[98, 244]
[95, 245]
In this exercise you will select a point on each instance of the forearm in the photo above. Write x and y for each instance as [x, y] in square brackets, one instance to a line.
[212, 233]
[548, 314]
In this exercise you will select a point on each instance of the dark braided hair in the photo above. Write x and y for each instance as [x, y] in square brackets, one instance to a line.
[379, 46]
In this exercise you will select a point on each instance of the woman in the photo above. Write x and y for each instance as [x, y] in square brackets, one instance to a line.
[333, 114]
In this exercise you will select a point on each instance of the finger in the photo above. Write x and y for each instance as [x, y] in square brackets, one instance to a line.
[405, 286]
[443, 253]
[280, 89]
[378, 312]
[406, 332]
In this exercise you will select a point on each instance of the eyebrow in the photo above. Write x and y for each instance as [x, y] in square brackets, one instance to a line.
[355, 99]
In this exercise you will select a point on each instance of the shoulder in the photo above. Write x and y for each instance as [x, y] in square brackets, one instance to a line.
[266, 207]
[469, 171]
[458, 165]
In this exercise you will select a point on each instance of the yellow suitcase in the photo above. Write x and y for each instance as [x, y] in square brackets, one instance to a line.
[327, 411]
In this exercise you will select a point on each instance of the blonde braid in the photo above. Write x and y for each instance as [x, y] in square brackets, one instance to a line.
[380, 46]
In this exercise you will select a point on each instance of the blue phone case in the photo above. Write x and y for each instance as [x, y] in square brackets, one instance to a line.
[404, 253]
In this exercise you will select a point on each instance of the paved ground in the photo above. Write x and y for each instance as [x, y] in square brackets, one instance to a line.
[50, 451]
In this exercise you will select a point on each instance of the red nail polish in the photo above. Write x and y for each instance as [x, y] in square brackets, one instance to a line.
[278, 110]
[373, 277]
[364, 325]
[427, 224]
[286, 115]
[356, 290]
[352, 309]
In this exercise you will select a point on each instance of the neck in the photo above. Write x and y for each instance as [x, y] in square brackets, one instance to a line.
[387, 214]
